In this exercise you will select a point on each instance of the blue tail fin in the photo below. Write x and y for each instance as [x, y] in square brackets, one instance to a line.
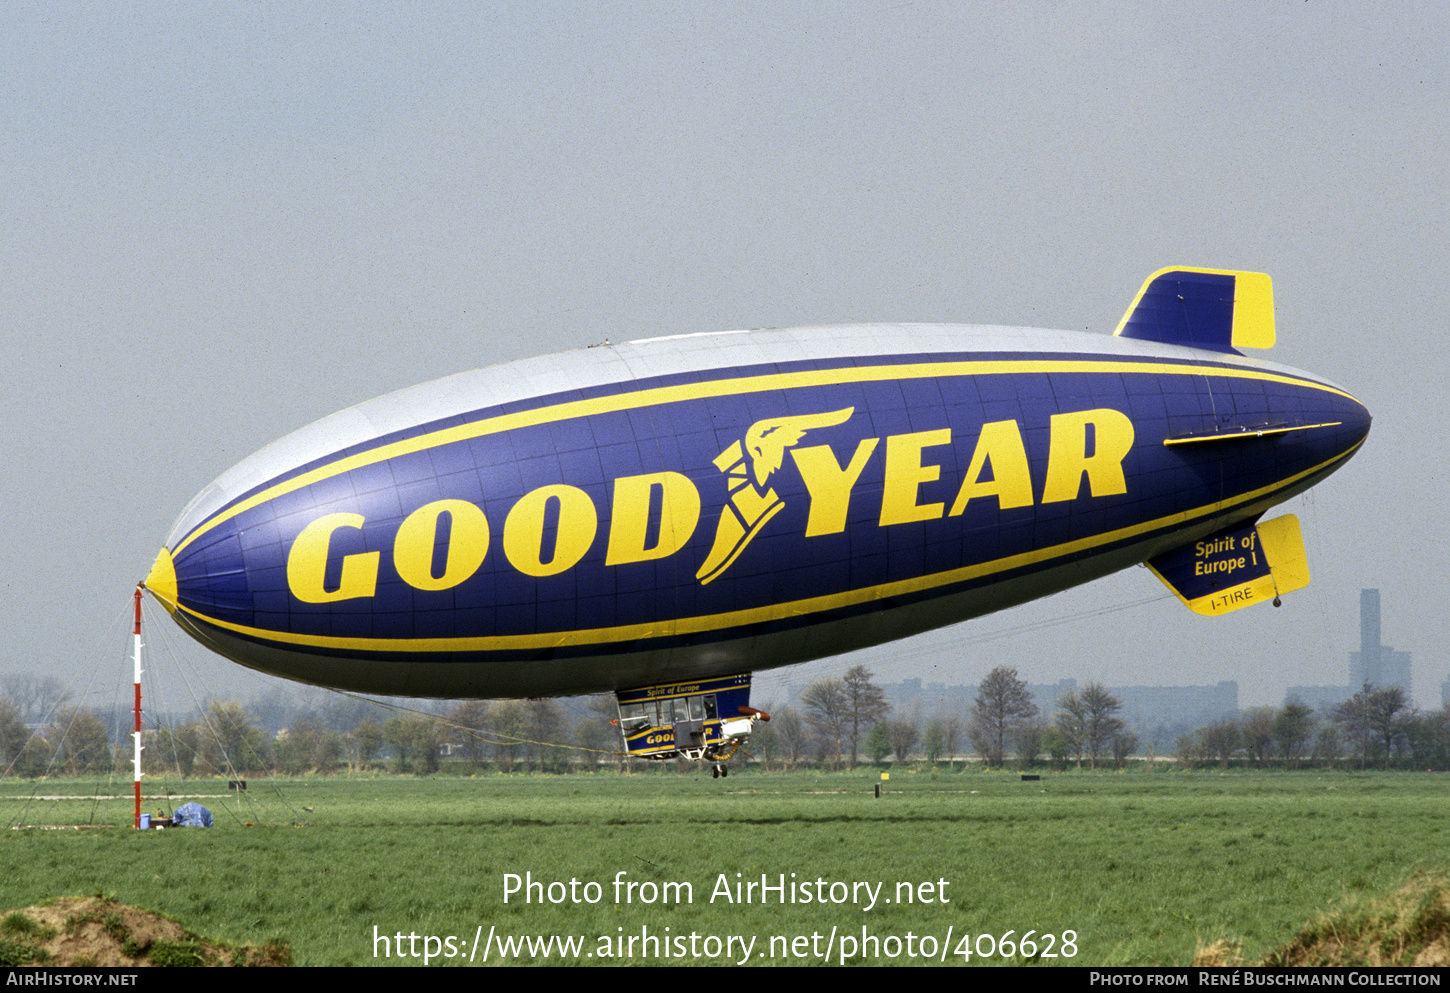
[1217, 309]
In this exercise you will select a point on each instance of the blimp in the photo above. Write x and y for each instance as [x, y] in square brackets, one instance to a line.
[663, 517]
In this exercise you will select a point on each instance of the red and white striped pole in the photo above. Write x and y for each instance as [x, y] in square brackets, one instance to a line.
[136, 761]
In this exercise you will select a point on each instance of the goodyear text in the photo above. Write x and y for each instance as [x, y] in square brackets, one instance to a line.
[650, 516]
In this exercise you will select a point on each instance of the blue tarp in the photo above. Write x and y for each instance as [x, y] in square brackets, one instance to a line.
[191, 815]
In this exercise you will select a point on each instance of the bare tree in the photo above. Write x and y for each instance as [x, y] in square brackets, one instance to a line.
[594, 734]
[951, 735]
[1293, 727]
[1029, 742]
[543, 725]
[84, 740]
[790, 729]
[306, 744]
[765, 740]
[1103, 724]
[828, 714]
[1371, 717]
[179, 745]
[1003, 708]
[1258, 734]
[1429, 739]
[36, 696]
[1389, 720]
[1192, 750]
[1327, 748]
[508, 718]
[469, 720]
[903, 732]
[1221, 739]
[1125, 742]
[1071, 723]
[1089, 720]
[12, 733]
[233, 741]
[865, 702]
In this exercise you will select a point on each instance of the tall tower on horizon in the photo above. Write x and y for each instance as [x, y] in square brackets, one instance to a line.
[1369, 638]
[1376, 664]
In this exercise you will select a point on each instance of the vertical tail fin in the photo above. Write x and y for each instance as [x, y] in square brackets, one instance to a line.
[1217, 309]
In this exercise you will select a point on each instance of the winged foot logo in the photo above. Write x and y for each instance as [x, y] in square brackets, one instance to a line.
[751, 504]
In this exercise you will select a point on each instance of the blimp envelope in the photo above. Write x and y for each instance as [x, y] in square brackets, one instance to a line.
[698, 506]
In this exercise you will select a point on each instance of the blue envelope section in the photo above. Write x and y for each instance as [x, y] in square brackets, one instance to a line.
[578, 524]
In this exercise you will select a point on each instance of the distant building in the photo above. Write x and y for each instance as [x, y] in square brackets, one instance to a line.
[1148, 706]
[1047, 695]
[1157, 713]
[1375, 664]
[1320, 699]
[1145, 707]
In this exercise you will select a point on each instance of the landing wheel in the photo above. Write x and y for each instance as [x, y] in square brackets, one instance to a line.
[714, 772]
[724, 770]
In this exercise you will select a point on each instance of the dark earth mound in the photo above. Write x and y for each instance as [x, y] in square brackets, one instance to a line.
[95, 931]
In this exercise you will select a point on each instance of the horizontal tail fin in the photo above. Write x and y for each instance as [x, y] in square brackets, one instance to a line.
[1237, 567]
[1217, 309]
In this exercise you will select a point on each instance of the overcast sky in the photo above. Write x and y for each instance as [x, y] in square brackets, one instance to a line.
[222, 222]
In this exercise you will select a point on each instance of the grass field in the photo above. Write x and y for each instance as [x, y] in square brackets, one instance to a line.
[1142, 868]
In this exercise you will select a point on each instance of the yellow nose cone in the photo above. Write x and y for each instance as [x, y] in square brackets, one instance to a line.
[162, 580]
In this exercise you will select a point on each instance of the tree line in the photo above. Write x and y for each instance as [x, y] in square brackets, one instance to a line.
[48, 737]
[1375, 728]
[843, 720]
[838, 722]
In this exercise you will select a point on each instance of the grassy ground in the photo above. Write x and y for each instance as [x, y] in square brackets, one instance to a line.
[1141, 868]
